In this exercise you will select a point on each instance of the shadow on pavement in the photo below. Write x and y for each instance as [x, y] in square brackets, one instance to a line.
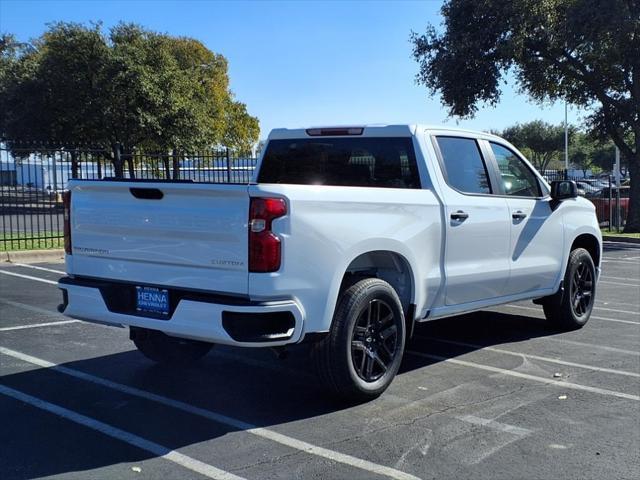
[261, 391]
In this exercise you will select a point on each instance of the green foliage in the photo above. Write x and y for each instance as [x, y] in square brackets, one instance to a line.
[582, 51]
[131, 88]
[242, 129]
[540, 141]
[581, 152]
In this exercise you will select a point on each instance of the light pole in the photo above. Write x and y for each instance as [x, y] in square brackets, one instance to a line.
[566, 140]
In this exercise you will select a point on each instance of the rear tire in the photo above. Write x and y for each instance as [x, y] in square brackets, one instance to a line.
[167, 350]
[361, 355]
[571, 307]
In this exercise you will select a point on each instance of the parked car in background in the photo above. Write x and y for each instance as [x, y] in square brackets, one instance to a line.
[604, 206]
[588, 189]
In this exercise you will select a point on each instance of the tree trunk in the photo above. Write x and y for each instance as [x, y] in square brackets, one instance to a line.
[633, 214]
[176, 164]
[118, 167]
[167, 170]
[74, 164]
[129, 158]
[99, 165]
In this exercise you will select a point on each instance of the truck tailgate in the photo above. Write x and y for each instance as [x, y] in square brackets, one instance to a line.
[185, 235]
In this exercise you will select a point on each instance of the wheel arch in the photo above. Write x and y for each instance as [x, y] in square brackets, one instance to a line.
[390, 266]
[591, 244]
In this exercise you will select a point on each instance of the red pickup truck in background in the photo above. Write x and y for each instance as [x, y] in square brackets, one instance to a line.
[604, 209]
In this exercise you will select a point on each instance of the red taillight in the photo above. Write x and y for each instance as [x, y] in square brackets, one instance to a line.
[66, 202]
[264, 245]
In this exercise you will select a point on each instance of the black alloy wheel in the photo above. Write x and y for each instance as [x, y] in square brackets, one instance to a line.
[374, 343]
[581, 290]
[571, 307]
[362, 353]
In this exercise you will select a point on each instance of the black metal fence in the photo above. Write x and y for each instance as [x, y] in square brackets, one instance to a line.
[33, 178]
[611, 202]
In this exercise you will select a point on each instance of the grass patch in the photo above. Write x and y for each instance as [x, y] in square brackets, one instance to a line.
[613, 233]
[10, 242]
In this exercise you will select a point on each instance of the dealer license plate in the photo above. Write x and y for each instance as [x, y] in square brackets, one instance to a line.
[152, 300]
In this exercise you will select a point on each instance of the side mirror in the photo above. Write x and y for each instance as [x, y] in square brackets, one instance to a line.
[563, 189]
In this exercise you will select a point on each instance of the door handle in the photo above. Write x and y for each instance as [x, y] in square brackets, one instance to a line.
[519, 215]
[459, 216]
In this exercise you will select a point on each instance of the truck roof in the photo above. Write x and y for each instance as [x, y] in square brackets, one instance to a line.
[372, 130]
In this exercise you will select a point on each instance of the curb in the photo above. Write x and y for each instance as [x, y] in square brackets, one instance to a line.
[613, 238]
[34, 256]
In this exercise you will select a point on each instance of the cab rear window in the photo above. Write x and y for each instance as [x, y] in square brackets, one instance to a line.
[387, 162]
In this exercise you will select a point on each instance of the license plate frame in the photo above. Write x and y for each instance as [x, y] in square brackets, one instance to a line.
[152, 301]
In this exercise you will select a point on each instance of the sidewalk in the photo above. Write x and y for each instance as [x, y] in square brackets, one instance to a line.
[33, 256]
[615, 238]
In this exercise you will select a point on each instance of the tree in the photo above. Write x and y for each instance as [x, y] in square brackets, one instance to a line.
[542, 141]
[572, 50]
[581, 152]
[242, 130]
[126, 91]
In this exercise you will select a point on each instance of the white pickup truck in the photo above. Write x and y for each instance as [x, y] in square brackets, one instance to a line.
[345, 238]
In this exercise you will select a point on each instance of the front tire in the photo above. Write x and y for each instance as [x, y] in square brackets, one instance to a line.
[571, 307]
[167, 350]
[360, 357]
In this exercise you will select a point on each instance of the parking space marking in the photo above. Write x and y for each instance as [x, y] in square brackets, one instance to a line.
[534, 357]
[219, 418]
[37, 325]
[501, 427]
[36, 267]
[617, 278]
[28, 277]
[606, 319]
[607, 260]
[156, 449]
[619, 283]
[31, 308]
[617, 311]
[593, 345]
[616, 302]
[526, 376]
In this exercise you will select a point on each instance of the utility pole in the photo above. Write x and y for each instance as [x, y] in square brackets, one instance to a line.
[566, 140]
[616, 172]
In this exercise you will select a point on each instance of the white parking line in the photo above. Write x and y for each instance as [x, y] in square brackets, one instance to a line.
[501, 427]
[37, 325]
[528, 355]
[619, 284]
[156, 449]
[617, 311]
[594, 346]
[620, 261]
[616, 302]
[28, 277]
[31, 308]
[526, 376]
[606, 319]
[36, 267]
[619, 278]
[219, 418]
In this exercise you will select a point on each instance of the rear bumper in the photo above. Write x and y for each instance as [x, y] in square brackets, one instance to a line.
[211, 318]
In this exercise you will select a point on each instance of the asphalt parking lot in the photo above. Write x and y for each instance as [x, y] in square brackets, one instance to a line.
[495, 394]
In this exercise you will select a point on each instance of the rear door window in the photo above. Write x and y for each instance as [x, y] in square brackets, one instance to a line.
[463, 164]
[387, 162]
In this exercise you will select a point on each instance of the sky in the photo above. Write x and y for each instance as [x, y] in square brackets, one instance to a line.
[300, 63]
